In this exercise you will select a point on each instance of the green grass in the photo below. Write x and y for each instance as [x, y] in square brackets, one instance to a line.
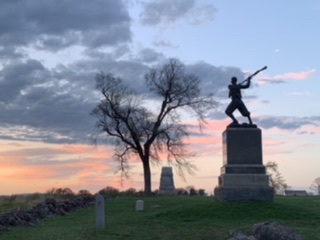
[188, 218]
[13, 202]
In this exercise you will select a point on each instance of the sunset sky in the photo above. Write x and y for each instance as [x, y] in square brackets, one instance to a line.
[51, 50]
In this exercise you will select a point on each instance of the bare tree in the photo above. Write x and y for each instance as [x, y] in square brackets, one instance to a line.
[315, 186]
[139, 131]
[276, 179]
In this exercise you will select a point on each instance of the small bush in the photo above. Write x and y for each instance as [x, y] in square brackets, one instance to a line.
[62, 193]
[110, 192]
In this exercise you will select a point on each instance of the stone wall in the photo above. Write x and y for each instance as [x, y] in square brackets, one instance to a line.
[43, 210]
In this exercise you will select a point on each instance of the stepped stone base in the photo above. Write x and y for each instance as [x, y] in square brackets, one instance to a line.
[243, 194]
[242, 180]
[244, 168]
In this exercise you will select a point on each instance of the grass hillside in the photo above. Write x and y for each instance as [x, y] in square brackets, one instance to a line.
[177, 218]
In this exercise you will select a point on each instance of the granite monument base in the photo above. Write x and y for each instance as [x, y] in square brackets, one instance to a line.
[243, 194]
[243, 176]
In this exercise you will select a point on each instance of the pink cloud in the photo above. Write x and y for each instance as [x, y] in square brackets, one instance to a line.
[295, 76]
[287, 76]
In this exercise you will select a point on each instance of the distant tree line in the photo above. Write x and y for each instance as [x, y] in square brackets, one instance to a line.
[190, 191]
[65, 193]
[112, 192]
[132, 192]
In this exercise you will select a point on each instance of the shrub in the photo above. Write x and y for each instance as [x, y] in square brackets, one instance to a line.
[110, 192]
[63, 193]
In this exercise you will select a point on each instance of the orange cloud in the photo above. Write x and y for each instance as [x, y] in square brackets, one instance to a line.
[31, 167]
[34, 164]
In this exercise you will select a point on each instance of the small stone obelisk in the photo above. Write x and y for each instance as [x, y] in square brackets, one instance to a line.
[166, 182]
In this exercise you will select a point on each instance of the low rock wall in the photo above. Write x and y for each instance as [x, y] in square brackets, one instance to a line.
[43, 210]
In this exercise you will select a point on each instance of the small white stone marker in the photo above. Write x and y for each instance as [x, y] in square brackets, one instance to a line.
[100, 214]
[139, 205]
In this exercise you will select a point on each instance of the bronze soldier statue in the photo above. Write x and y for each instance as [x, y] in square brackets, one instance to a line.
[236, 98]
[236, 101]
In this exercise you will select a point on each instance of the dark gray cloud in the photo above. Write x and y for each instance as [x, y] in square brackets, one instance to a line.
[158, 11]
[131, 71]
[45, 105]
[53, 104]
[53, 25]
[215, 79]
[167, 11]
[18, 75]
[8, 53]
[149, 55]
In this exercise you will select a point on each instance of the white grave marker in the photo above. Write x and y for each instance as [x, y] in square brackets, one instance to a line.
[139, 205]
[100, 214]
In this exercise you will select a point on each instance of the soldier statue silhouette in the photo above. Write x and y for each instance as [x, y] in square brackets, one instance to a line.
[236, 98]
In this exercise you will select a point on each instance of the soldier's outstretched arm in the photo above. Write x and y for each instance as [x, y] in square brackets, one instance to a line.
[247, 83]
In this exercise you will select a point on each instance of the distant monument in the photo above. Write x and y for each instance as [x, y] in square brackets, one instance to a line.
[166, 182]
[243, 176]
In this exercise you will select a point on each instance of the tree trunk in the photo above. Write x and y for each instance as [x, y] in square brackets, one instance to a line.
[147, 176]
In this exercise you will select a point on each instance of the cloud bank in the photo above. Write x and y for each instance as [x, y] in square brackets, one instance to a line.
[51, 104]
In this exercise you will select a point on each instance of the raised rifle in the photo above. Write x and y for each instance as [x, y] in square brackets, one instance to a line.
[252, 75]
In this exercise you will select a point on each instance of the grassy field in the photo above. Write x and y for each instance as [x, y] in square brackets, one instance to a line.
[187, 218]
[9, 203]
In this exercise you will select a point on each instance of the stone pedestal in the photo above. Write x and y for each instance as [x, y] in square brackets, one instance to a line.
[243, 175]
[166, 182]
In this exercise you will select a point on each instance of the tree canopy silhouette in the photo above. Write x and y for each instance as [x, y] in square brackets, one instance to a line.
[315, 186]
[276, 179]
[138, 130]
